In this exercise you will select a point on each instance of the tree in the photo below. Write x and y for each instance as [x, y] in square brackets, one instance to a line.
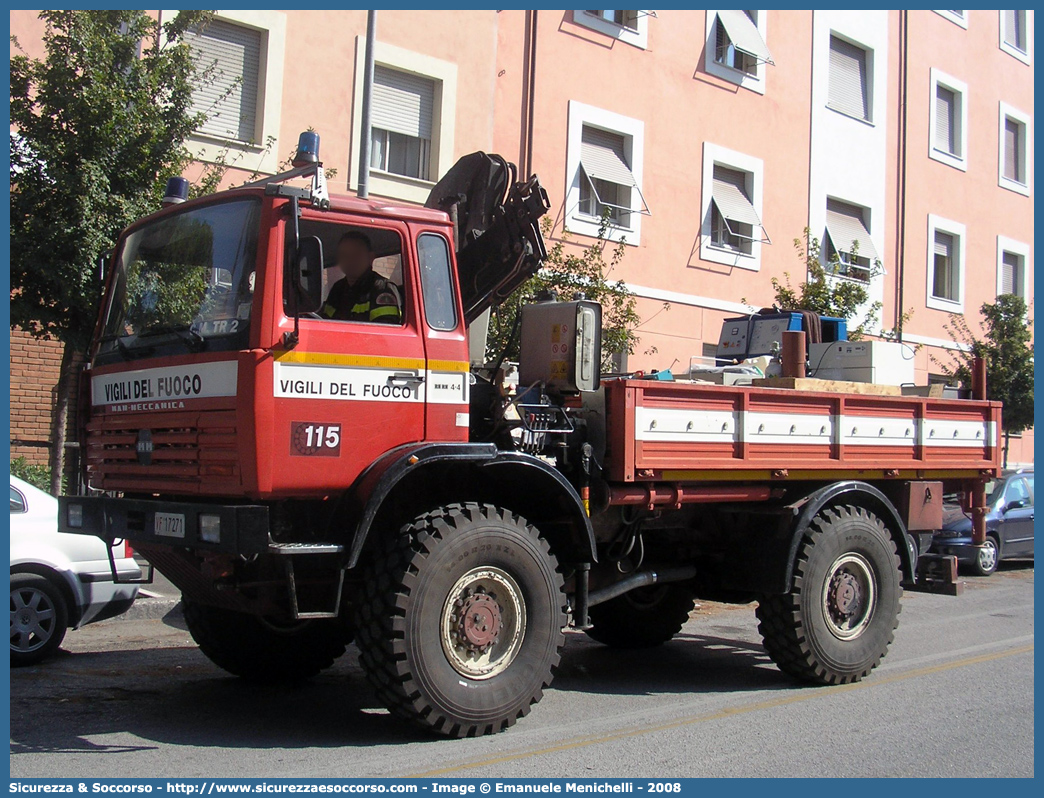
[101, 124]
[1006, 346]
[832, 289]
[566, 274]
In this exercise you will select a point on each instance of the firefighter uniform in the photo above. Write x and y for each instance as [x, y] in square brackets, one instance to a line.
[372, 298]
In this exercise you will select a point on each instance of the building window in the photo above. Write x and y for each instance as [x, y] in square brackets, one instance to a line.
[848, 239]
[734, 220]
[630, 27]
[604, 160]
[948, 120]
[1016, 34]
[736, 49]
[731, 232]
[956, 17]
[1012, 267]
[413, 121]
[229, 57]
[401, 122]
[849, 79]
[1014, 150]
[625, 19]
[241, 52]
[945, 273]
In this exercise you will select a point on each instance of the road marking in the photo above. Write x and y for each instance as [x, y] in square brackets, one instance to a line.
[584, 742]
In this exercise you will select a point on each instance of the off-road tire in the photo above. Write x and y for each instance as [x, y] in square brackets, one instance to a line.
[404, 602]
[253, 649]
[45, 623]
[795, 627]
[642, 618]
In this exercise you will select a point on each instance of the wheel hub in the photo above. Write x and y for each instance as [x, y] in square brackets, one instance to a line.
[479, 620]
[849, 596]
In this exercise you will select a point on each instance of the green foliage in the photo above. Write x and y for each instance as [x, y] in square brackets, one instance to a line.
[567, 273]
[1006, 346]
[36, 475]
[829, 290]
[99, 130]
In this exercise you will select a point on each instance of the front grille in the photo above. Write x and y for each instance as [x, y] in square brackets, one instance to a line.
[191, 452]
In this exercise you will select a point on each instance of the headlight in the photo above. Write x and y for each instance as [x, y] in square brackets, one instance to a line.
[74, 515]
[210, 528]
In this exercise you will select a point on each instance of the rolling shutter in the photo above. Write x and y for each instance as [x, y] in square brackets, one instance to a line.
[232, 54]
[1010, 282]
[943, 277]
[744, 35]
[402, 103]
[730, 196]
[848, 92]
[1012, 165]
[846, 228]
[945, 128]
[1013, 24]
[602, 156]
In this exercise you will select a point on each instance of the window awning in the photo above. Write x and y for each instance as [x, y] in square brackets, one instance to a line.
[602, 158]
[744, 35]
[730, 197]
[846, 229]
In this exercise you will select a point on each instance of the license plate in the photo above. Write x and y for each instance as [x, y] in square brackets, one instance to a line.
[170, 525]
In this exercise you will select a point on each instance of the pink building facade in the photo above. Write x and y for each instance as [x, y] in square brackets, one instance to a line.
[713, 138]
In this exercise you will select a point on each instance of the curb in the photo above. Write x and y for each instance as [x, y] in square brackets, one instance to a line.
[149, 608]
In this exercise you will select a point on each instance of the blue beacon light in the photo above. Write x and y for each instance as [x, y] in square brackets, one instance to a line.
[307, 149]
[177, 191]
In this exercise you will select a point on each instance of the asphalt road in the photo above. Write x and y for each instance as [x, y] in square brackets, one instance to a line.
[954, 697]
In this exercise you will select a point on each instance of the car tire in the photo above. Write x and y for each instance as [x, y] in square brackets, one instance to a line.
[39, 618]
[460, 618]
[642, 618]
[258, 650]
[839, 618]
[988, 557]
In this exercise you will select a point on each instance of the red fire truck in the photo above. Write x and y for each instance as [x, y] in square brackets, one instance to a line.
[307, 482]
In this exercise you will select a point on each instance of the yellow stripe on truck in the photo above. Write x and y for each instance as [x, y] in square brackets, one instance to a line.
[370, 361]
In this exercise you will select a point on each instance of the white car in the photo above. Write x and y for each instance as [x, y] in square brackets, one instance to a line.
[58, 582]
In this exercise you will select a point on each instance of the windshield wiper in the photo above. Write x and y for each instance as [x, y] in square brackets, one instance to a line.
[126, 349]
[192, 339]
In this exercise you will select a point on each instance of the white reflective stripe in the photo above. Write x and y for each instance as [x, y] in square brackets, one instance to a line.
[876, 431]
[965, 434]
[666, 425]
[447, 387]
[402, 102]
[847, 228]
[602, 157]
[345, 383]
[745, 35]
[199, 381]
[789, 428]
[730, 195]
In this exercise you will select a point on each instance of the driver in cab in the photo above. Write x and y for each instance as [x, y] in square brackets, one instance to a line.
[362, 294]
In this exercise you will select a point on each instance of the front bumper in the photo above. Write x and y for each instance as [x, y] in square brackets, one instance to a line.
[243, 528]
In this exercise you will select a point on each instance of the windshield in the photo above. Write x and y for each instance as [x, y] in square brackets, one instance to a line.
[184, 282]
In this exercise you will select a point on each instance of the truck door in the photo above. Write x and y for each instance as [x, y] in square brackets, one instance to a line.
[447, 376]
[352, 389]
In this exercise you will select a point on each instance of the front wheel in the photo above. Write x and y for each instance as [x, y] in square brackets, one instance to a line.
[987, 557]
[839, 618]
[460, 618]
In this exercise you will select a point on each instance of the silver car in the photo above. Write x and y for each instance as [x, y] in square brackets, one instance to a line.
[58, 582]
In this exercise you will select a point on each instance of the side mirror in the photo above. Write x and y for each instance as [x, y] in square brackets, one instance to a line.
[1017, 504]
[309, 274]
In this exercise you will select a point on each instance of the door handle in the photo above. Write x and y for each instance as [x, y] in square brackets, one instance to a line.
[407, 377]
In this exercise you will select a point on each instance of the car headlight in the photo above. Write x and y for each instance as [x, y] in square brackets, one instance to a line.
[74, 516]
[210, 528]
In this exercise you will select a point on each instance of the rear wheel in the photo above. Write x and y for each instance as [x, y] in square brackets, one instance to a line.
[988, 557]
[39, 618]
[837, 622]
[642, 618]
[261, 650]
[460, 619]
